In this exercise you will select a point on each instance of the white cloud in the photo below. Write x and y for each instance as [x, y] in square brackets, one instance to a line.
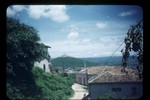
[101, 25]
[91, 43]
[70, 28]
[73, 28]
[127, 13]
[107, 53]
[78, 49]
[36, 11]
[18, 7]
[73, 35]
[86, 40]
[12, 10]
[55, 12]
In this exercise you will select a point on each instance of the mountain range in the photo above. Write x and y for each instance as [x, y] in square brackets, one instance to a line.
[111, 61]
[68, 61]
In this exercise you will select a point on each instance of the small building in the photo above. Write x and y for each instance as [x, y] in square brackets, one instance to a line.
[83, 76]
[70, 71]
[112, 79]
[45, 64]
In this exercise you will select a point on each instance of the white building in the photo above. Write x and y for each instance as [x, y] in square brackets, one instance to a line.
[112, 79]
[45, 64]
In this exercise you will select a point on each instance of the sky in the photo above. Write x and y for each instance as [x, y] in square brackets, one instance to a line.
[79, 30]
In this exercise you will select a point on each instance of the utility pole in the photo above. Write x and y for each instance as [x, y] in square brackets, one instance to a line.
[63, 70]
[86, 72]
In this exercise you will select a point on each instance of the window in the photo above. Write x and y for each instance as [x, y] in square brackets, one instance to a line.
[84, 81]
[134, 91]
[50, 67]
[79, 80]
[44, 67]
[119, 89]
[116, 89]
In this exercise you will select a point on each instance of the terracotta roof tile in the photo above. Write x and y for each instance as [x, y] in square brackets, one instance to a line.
[112, 74]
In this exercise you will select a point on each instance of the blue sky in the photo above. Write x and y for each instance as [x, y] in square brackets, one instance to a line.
[79, 30]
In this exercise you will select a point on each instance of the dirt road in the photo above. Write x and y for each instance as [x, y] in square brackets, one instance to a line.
[79, 91]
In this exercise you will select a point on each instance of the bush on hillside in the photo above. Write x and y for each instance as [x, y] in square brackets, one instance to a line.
[47, 86]
[53, 86]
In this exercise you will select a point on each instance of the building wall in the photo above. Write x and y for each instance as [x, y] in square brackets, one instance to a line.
[45, 52]
[81, 78]
[43, 63]
[99, 89]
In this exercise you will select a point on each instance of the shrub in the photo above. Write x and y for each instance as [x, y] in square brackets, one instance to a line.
[53, 86]
[13, 92]
[107, 96]
[46, 86]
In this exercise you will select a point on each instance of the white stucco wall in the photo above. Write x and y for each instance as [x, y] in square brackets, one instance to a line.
[41, 64]
[98, 89]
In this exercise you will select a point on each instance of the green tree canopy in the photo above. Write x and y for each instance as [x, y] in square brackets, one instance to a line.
[134, 43]
[22, 49]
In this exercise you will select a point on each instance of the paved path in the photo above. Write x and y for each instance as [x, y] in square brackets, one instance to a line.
[79, 91]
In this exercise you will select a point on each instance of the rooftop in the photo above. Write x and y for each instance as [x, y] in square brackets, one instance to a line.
[92, 70]
[111, 74]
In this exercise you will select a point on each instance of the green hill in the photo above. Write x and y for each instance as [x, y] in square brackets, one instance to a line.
[113, 61]
[67, 61]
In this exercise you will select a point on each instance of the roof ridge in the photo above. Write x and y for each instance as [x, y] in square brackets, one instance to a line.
[97, 75]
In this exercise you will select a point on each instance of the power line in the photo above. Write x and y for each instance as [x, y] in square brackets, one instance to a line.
[113, 53]
[121, 44]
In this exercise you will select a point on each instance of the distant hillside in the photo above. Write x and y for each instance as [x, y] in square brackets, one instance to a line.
[68, 61]
[114, 61]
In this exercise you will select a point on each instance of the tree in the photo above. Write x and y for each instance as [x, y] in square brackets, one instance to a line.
[23, 50]
[22, 47]
[134, 43]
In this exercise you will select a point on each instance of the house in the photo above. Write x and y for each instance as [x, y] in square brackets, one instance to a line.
[112, 79]
[84, 75]
[45, 64]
